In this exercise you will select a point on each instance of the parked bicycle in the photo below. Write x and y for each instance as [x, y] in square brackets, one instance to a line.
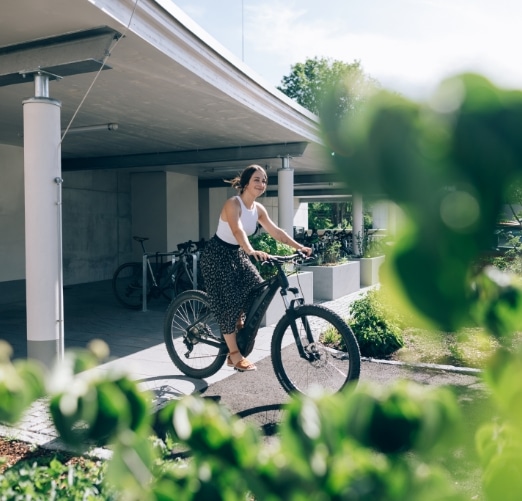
[311, 347]
[167, 275]
[187, 266]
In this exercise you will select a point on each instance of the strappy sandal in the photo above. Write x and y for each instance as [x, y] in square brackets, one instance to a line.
[242, 366]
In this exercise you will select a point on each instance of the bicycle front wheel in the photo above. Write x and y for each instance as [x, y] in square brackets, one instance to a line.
[313, 349]
[127, 285]
[192, 335]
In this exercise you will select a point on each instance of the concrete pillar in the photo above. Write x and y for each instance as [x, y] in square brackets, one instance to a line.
[285, 189]
[358, 223]
[43, 225]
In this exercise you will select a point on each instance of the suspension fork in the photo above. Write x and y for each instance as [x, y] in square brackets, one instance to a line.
[291, 307]
[298, 340]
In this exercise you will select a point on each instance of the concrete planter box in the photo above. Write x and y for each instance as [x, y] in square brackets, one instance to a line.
[333, 282]
[370, 270]
[277, 308]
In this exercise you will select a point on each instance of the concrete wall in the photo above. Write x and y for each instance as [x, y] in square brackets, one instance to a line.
[12, 230]
[102, 210]
[182, 209]
[95, 221]
[149, 212]
[164, 209]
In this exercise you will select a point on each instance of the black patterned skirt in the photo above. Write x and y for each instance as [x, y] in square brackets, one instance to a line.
[229, 277]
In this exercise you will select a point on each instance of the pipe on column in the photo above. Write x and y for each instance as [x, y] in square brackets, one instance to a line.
[358, 223]
[43, 241]
[285, 190]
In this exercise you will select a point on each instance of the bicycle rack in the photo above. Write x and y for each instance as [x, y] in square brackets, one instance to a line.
[174, 254]
[145, 260]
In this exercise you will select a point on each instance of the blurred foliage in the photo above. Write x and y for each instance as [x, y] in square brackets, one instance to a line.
[21, 383]
[448, 164]
[97, 407]
[330, 447]
[52, 479]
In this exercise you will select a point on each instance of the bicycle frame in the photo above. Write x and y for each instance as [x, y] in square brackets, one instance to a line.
[147, 266]
[259, 301]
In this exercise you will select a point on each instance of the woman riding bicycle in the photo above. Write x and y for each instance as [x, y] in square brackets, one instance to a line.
[228, 273]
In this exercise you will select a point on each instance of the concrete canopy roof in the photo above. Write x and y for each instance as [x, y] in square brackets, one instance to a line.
[181, 102]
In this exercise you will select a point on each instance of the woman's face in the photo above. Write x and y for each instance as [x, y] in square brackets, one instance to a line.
[257, 183]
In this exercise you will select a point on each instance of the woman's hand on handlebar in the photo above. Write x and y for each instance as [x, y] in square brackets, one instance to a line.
[260, 255]
[305, 250]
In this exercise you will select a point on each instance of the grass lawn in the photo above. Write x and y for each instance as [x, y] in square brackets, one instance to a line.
[469, 348]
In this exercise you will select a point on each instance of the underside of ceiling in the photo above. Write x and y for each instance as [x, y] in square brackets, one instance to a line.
[178, 101]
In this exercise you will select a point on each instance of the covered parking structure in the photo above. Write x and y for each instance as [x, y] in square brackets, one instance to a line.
[123, 117]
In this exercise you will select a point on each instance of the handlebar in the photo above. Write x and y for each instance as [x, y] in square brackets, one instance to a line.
[191, 246]
[292, 258]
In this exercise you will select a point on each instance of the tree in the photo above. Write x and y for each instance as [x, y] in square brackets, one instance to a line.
[309, 83]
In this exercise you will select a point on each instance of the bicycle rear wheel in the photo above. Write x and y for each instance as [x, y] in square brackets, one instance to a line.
[127, 285]
[329, 358]
[192, 335]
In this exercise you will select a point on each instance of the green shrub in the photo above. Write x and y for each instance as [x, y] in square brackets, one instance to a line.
[377, 329]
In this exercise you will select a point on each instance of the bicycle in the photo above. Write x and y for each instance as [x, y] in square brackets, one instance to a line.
[164, 278]
[311, 345]
[187, 261]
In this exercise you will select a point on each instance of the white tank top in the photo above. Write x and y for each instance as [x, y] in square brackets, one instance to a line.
[248, 219]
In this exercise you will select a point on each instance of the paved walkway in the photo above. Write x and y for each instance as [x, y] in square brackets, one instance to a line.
[135, 339]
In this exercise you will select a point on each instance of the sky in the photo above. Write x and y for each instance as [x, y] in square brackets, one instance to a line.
[409, 46]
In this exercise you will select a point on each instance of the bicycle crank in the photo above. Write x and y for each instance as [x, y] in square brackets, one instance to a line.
[194, 334]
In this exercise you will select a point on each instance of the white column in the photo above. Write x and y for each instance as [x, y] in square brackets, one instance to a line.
[358, 223]
[285, 191]
[43, 242]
